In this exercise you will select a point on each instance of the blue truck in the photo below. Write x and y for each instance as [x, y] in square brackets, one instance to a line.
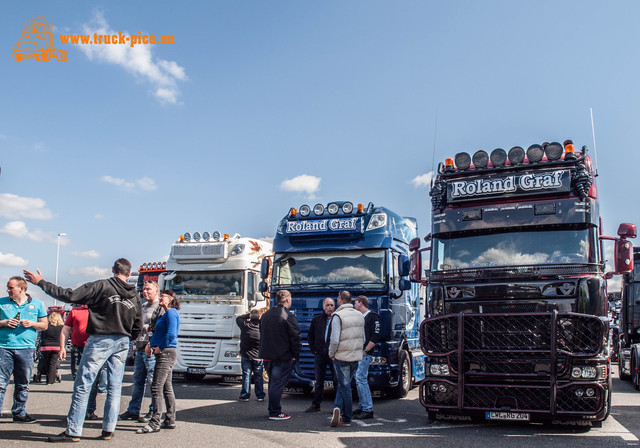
[323, 250]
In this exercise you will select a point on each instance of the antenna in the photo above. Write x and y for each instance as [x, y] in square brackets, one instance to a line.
[593, 133]
[435, 135]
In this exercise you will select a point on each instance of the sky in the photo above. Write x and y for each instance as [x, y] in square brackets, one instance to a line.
[261, 106]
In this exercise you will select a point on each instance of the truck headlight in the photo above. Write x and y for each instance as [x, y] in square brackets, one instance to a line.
[439, 369]
[237, 249]
[378, 360]
[378, 220]
[586, 372]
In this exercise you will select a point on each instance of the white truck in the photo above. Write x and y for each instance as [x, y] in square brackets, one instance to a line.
[216, 279]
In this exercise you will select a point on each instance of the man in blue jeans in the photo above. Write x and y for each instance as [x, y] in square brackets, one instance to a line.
[20, 317]
[371, 335]
[144, 364]
[115, 317]
[249, 325]
[345, 349]
[280, 347]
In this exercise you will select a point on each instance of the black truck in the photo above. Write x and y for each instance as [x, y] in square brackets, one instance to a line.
[629, 330]
[517, 324]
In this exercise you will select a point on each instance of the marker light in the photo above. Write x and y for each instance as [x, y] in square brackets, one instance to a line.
[187, 237]
[463, 161]
[569, 150]
[293, 213]
[305, 210]
[516, 155]
[164, 265]
[144, 266]
[480, 159]
[140, 268]
[448, 165]
[226, 237]
[347, 207]
[332, 208]
[216, 236]
[535, 153]
[206, 236]
[553, 151]
[360, 208]
[154, 265]
[196, 236]
[498, 157]
[318, 209]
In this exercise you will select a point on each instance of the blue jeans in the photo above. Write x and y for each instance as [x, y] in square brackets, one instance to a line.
[99, 386]
[345, 371]
[99, 350]
[143, 367]
[320, 363]
[19, 363]
[279, 372]
[251, 365]
[362, 384]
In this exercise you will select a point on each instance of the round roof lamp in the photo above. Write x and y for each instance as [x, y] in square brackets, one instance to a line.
[554, 151]
[516, 155]
[480, 159]
[463, 161]
[498, 157]
[535, 153]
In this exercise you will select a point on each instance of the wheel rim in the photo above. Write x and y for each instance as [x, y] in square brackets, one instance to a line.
[405, 374]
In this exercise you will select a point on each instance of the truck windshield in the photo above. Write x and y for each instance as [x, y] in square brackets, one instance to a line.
[324, 268]
[223, 285]
[522, 248]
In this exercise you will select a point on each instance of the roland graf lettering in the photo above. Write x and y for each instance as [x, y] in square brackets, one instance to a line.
[526, 182]
[322, 225]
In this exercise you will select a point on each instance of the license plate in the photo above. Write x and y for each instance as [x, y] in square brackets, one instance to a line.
[196, 370]
[516, 416]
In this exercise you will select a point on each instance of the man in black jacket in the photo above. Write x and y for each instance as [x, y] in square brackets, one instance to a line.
[372, 335]
[279, 348]
[318, 337]
[115, 317]
[249, 325]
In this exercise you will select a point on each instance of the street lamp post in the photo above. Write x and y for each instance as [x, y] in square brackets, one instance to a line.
[55, 302]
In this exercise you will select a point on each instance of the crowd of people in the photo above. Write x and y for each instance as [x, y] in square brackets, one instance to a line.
[109, 313]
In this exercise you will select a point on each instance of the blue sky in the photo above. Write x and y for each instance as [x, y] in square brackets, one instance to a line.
[261, 106]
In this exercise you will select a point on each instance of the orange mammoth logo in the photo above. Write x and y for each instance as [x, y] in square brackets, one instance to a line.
[36, 42]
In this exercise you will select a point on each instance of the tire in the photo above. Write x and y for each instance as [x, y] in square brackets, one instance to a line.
[44, 56]
[61, 55]
[404, 380]
[194, 376]
[634, 372]
[18, 57]
[623, 376]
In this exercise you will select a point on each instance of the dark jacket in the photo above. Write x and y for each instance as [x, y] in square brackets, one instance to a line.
[279, 335]
[249, 336]
[317, 329]
[114, 306]
[51, 336]
[371, 328]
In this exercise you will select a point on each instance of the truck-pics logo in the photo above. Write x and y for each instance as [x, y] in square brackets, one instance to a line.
[37, 42]
[509, 184]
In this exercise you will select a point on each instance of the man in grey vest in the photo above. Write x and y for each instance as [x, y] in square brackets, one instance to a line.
[345, 349]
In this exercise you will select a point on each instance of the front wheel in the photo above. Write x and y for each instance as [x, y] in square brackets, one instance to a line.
[404, 380]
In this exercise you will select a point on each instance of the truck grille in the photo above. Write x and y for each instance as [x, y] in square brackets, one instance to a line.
[195, 352]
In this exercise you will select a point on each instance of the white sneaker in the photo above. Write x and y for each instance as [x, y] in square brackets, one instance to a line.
[335, 418]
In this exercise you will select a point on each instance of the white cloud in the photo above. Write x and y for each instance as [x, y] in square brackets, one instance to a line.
[98, 216]
[39, 147]
[12, 260]
[93, 272]
[86, 254]
[137, 60]
[18, 229]
[302, 184]
[13, 206]
[145, 183]
[424, 180]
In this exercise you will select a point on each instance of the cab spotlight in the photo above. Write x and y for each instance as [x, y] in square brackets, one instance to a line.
[187, 237]
[215, 236]
[333, 208]
[498, 157]
[347, 208]
[516, 155]
[480, 159]
[196, 236]
[463, 160]
[434, 387]
[206, 236]
[305, 210]
[318, 209]
[535, 153]
[553, 151]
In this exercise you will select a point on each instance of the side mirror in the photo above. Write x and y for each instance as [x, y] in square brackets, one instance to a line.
[403, 265]
[415, 271]
[265, 267]
[414, 244]
[263, 287]
[626, 230]
[623, 255]
[404, 284]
